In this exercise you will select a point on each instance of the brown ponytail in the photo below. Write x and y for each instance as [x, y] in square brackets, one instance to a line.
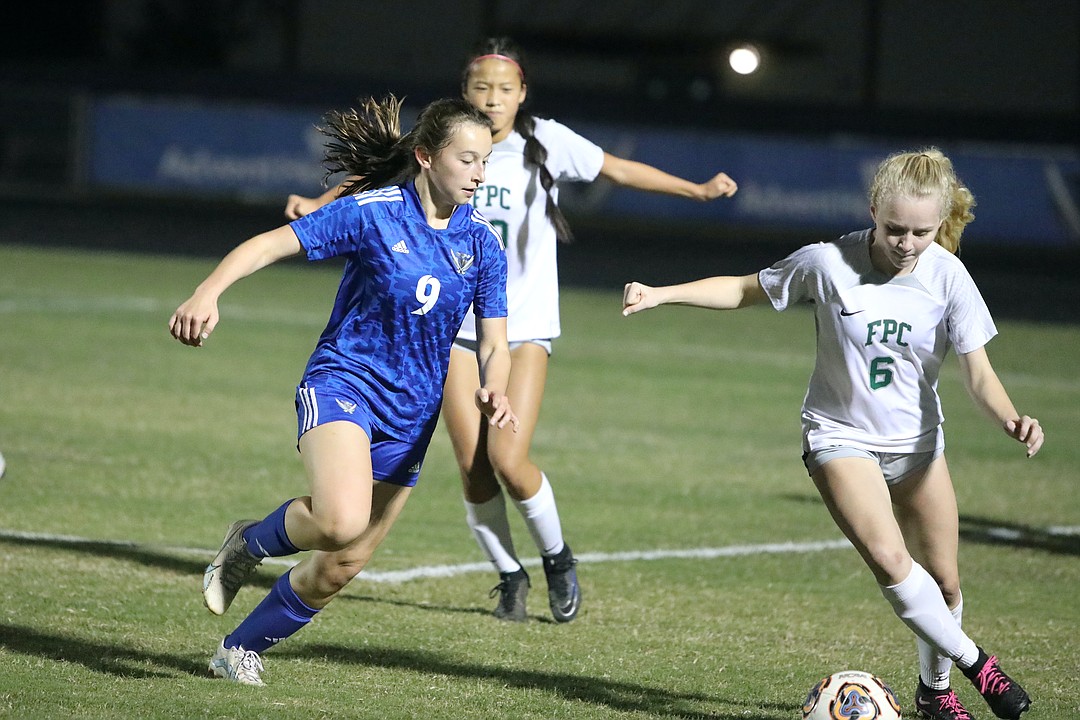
[366, 142]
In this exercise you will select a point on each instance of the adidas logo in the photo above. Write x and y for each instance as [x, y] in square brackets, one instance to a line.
[415, 468]
[349, 407]
[400, 247]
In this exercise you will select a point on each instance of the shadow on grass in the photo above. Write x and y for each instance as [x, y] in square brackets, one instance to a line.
[123, 662]
[351, 595]
[623, 696]
[140, 554]
[112, 659]
[995, 532]
[990, 531]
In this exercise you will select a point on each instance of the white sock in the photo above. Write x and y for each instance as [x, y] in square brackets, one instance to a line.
[542, 518]
[918, 602]
[934, 667]
[491, 529]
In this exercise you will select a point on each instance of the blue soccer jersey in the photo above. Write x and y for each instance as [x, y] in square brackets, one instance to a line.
[405, 290]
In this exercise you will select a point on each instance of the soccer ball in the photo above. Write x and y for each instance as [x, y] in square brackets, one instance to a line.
[851, 695]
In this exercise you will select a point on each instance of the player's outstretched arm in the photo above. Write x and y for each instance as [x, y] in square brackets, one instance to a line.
[727, 292]
[985, 388]
[639, 176]
[197, 316]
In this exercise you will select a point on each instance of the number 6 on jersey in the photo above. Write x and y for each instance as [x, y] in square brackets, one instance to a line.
[427, 294]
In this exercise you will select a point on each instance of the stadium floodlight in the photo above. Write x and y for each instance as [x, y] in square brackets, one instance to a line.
[744, 58]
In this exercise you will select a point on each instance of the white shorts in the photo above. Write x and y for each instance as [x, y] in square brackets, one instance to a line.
[471, 345]
[896, 467]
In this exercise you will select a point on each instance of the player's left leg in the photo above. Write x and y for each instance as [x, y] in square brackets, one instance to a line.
[925, 507]
[855, 491]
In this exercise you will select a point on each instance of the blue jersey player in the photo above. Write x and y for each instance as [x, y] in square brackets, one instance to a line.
[417, 256]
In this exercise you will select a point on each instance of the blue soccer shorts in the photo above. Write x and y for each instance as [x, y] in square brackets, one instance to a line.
[320, 401]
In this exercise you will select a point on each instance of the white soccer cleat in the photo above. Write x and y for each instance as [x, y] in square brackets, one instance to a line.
[229, 570]
[237, 664]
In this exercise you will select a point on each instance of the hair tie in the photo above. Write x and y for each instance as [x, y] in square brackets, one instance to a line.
[497, 56]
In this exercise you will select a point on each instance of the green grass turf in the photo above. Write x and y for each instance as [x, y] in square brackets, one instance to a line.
[675, 430]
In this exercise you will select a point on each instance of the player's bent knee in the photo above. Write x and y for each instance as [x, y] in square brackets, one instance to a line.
[888, 561]
[511, 467]
[333, 579]
[339, 533]
[481, 479]
[950, 590]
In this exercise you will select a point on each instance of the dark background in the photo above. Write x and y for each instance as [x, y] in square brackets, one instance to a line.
[917, 72]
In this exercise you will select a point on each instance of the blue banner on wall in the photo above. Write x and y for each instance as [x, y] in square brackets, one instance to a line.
[1024, 195]
[196, 148]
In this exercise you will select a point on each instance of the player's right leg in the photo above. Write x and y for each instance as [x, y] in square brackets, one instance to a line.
[527, 485]
[855, 493]
[322, 575]
[485, 503]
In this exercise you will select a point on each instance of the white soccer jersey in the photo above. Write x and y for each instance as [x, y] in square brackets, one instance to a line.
[880, 341]
[513, 200]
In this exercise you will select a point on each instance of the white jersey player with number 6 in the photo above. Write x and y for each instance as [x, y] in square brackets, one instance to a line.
[881, 341]
[889, 302]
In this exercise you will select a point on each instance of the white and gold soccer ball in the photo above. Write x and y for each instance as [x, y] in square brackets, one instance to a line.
[851, 695]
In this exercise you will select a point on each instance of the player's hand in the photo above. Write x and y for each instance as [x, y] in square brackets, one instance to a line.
[719, 186]
[637, 297]
[297, 206]
[194, 320]
[1028, 431]
[496, 407]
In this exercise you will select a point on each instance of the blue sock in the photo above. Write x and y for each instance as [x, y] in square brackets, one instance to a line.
[280, 614]
[267, 538]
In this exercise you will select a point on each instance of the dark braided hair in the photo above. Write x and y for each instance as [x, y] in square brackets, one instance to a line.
[525, 124]
[366, 142]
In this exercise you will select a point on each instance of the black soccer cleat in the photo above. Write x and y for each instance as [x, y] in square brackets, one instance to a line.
[939, 704]
[512, 590]
[564, 593]
[1003, 694]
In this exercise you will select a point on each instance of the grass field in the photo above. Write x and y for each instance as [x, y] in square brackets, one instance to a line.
[714, 583]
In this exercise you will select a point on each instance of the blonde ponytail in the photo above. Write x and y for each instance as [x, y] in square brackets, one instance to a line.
[926, 173]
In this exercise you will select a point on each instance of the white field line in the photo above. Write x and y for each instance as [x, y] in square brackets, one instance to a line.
[441, 571]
